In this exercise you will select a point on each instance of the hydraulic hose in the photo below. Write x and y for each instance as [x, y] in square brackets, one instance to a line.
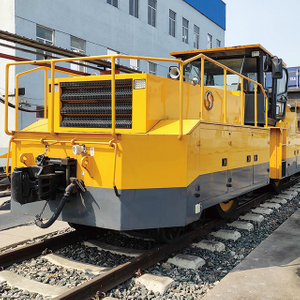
[39, 221]
[70, 189]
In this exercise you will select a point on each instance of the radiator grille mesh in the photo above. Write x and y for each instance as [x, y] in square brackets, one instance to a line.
[88, 104]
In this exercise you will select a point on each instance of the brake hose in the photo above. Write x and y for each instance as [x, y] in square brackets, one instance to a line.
[70, 189]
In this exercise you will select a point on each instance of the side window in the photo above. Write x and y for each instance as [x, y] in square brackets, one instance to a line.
[45, 36]
[152, 12]
[185, 30]
[134, 8]
[113, 2]
[152, 68]
[78, 46]
[282, 83]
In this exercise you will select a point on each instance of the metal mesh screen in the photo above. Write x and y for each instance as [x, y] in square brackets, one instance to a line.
[88, 104]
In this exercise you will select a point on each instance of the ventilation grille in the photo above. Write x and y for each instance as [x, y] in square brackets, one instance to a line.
[88, 104]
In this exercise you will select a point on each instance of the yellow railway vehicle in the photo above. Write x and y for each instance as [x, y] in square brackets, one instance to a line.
[139, 151]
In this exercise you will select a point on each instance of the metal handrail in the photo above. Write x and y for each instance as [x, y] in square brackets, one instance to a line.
[45, 68]
[226, 69]
[54, 61]
[119, 56]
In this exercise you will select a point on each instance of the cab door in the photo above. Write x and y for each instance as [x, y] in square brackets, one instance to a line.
[240, 160]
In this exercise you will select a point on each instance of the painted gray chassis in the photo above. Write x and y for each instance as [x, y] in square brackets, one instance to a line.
[154, 208]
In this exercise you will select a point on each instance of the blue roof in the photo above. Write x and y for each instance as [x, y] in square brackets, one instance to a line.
[215, 10]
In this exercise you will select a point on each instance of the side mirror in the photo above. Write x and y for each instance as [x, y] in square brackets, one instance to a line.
[277, 68]
[195, 81]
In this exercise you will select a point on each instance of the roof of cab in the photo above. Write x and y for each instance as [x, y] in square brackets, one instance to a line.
[222, 52]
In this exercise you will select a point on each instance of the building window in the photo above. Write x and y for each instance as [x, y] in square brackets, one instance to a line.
[218, 43]
[134, 64]
[196, 36]
[78, 46]
[134, 8]
[112, 52]
[45, 36]
[172, 22]
[152, 12]
[209, 41]
[152, 68]
[185, 30]
[113, 2]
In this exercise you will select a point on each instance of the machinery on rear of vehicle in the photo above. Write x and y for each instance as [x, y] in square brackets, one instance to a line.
[139, 151]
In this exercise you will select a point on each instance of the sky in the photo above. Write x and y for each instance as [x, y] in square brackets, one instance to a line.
[272, 23]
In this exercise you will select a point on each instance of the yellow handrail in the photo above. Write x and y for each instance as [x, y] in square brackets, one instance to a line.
[296, 111]
[242, 102]
[45, 93]
[255, 105]
[225, 96]
[113, 97]
[225, 68]
[17, 93]
[181, 63]
[202, 88]
[180, 101]
[8, 156]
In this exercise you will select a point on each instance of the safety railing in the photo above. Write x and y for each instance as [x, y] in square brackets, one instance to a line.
[297, 117]
[113, 59]
[46, 69]
[242, 77]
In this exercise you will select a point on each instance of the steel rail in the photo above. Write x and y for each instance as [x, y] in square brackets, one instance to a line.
[245, 207]
[112, 278]
[105, 282]
[291, 182]
[118, 275]
[4, 186]
[36, 249]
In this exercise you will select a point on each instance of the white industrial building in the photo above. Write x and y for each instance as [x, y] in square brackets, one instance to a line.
[99, 27]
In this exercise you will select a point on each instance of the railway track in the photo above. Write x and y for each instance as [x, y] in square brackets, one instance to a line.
[97, 285]
[4, 185]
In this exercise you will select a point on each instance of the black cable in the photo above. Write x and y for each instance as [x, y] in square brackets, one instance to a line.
[20, 108]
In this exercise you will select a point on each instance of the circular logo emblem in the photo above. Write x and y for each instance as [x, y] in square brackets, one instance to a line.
[209, 100]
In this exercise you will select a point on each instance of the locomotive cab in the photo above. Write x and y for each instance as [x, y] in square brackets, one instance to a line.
[254, 62]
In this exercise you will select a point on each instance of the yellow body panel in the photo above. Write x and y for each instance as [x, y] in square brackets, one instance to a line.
[150, 155]
[285, 145]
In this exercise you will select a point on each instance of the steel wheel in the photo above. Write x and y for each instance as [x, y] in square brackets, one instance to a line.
[227, 209]
[197, 224]
[167, 235]
[277, 185]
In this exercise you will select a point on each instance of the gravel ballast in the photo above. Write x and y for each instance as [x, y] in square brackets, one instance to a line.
[188, 283]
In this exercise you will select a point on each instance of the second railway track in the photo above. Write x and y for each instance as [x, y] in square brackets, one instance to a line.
[85, 284]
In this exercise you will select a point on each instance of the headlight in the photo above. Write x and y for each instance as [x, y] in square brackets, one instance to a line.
[139, 84]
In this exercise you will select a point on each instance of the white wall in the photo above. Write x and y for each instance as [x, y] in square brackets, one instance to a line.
[103, 25]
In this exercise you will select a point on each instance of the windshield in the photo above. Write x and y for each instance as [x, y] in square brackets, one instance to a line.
[214, 75]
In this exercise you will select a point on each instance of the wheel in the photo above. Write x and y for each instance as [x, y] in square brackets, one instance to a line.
[167, 235]
[277, 185]
[197, 224]
[227, 209]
